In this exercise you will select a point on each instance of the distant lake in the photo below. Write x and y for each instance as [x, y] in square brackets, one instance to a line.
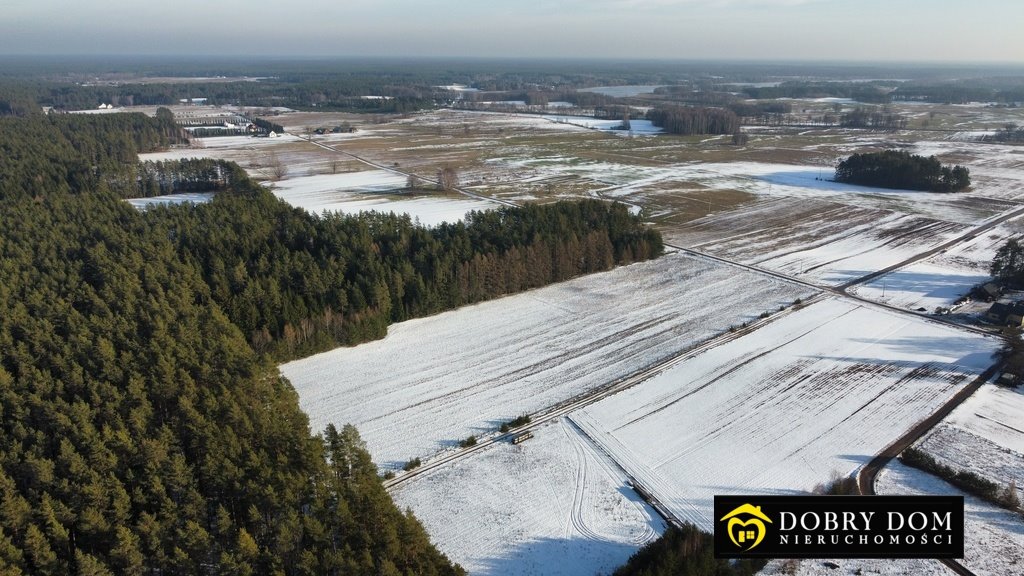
[622, 91]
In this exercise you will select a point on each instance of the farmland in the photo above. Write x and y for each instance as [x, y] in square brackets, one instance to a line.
[983, 436]
[783, 408]
[465, 372]
[525, 509]
[813, 391]
[994, 543]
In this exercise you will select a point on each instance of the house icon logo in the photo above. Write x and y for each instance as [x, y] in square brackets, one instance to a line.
[745, 526]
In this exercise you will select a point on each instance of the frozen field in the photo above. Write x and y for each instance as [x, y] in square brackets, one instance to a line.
[922, 285]
[635, 126]
[994, 537]
[361, 192]
[941, 279]
[984, 435]
[437, 380]
[817, 391]
[549, 506]
[193, 197]
[815, 182]
[848, 567]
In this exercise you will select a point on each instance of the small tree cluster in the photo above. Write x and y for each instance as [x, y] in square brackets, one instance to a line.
[902, 170]
[515, 423]
[1008, 264]
[838, 485]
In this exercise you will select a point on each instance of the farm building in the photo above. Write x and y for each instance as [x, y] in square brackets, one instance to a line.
[1006, 314]
[989, 292]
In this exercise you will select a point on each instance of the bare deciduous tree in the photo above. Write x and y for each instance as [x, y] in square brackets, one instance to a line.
[447, 178]
[278, 170]
[413, 182]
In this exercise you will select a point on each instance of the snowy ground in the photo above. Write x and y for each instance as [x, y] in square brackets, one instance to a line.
[994, 537]
[984, 435]
[941, 279]
[922, 285]
[193, 197]
[815, 240]
[361, 191]
[635, 126]
[815, 182]
[848, 567]
[434, 381]
[817, 391]
[552, 505]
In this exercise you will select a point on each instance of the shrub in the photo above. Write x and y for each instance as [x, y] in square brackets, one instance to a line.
[471, 441]
[411, 464]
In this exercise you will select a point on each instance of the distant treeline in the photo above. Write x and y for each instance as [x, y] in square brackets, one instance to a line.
[873, 93]
[902, 170]
[685, 551]
[331, 92]
[1009, 134]
[685, 120]
[874, 119]
[1000, 90]
[267, 125]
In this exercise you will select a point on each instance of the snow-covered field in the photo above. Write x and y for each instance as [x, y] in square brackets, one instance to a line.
[815, 182]
[922, 285]
[635, 126]
[552, 505]
[941, 279]
[193, 197]
[984, 435]
[353, 192]
[994, 537]
[815, 240]
[434, 381]
[817, 391]
[857, 567]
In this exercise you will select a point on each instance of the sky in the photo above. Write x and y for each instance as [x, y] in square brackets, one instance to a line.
[816, 30]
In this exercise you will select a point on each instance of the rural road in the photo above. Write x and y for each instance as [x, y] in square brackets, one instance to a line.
[867, 475]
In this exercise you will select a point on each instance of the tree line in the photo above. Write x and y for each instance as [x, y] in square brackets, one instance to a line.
[685, 551]
[902, 170]
[1009, 134]
[686, 120]
[297, 283]
[157, 178]
[861, 117]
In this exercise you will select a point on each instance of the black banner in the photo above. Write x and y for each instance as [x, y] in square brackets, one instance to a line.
[839, 527]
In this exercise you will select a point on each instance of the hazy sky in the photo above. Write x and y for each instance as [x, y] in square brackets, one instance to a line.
[906, 30]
